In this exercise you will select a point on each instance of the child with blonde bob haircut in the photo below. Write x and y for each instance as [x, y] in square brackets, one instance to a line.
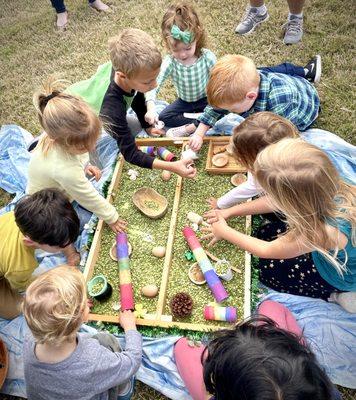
[316, 256]
[61, 158]
[188, 65]
[59, 362]
[237, 86]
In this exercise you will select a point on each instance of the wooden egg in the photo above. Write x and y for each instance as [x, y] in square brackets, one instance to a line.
[166, 175]
[159, 251]
[220, 160]
[150, 290]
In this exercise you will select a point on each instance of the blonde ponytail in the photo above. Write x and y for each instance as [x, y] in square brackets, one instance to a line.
[67, 119]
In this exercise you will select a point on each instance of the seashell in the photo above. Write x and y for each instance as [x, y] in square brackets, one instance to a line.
[159, 251]
[113, 250]
[195, 274]
[237, 179]
[166, 175]
[150, 290]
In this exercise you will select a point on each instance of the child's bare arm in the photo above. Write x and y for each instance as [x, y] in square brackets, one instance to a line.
[283, 247]
[262, 205]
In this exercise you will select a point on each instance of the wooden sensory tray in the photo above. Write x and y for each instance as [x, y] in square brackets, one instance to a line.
[232, 167]
[171, 273]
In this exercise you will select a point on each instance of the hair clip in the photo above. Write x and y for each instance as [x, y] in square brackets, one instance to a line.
[185, 37]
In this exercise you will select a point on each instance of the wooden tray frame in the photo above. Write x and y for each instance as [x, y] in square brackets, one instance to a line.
[159, 319]
[231, 168]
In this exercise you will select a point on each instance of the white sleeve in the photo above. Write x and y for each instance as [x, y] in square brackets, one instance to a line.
[240, 193]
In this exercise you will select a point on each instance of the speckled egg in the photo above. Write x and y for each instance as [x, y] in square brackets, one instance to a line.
[159, 251]
[166, 175]
[150, 290]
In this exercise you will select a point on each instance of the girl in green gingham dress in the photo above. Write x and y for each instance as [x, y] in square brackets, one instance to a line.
[188, 65]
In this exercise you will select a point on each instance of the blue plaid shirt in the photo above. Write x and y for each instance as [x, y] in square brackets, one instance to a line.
[290, 97]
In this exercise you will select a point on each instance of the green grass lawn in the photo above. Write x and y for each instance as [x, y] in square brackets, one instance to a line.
[32, 50]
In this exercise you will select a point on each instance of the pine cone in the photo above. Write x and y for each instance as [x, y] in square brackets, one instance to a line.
[181, 305]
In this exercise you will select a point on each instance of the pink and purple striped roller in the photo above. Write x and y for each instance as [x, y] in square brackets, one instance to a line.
[165, 154]
[126, 291]
[212, 279]
[216, 313]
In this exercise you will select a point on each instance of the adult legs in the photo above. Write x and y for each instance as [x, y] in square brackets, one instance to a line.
[10, 300]
[255, 14]
[294, 26]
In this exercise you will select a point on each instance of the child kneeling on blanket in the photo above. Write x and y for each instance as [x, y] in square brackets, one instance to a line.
[44, 220]
[62, 364]
[263, 358]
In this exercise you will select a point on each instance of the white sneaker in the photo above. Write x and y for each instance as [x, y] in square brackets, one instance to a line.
[347, 300]
[179, 131]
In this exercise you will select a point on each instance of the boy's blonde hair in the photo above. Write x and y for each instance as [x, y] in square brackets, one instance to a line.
[186, 18]
[54, 305]
[132, 51]
[231, 78]
[68, 120]
[304, 184]
[257, 132]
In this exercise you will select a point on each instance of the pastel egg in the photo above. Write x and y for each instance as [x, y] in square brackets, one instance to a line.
[166, 175]
[150, 290]
[159, 251]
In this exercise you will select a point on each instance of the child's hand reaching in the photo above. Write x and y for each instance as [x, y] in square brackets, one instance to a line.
[213, 203]
[119, 226]
[155, 131]
[151, 117]
[211, 215]
[72, 256]
[184, 168]
[195, 142]
[94, 171]
[216, 230]
[127, 320]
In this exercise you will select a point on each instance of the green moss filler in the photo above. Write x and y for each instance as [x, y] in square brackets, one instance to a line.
[145, 233]
[193, 198]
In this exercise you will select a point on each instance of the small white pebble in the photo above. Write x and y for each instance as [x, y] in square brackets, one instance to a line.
[195, 226]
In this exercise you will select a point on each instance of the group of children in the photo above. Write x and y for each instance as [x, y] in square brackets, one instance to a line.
[306, 242]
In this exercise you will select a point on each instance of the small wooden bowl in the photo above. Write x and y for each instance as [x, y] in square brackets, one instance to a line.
[194, 273]
[220, 160]
[113, 250]
[150, 203]
[4, 362]
[237, 179]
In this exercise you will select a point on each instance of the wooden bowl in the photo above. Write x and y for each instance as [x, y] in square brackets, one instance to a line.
[237, 179]
[113, 250]
[195, 275]
[4, 362]
[150, 203]
[220, 160]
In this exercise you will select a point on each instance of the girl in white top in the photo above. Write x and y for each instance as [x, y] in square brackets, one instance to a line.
[61, 158]
[264, 128]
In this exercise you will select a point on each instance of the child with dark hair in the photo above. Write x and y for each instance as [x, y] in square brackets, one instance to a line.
[44, 220]
[263, 358]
